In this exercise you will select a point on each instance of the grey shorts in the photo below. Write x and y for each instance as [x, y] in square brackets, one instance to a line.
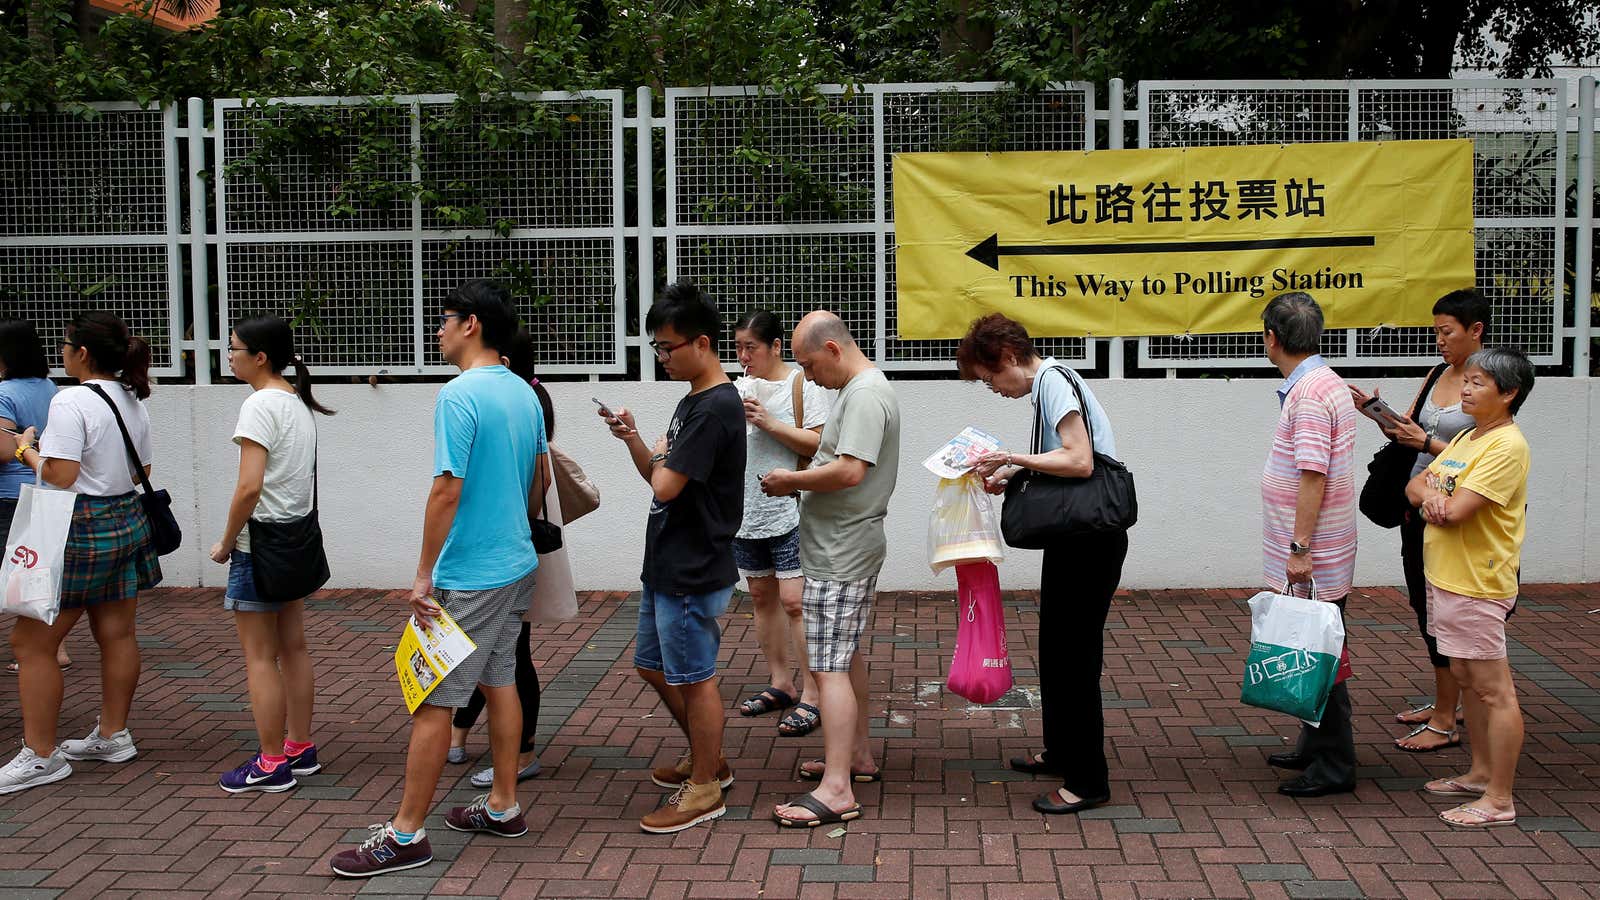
[836, 614]
[493, 619]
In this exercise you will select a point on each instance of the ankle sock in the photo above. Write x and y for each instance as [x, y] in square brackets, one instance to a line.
[270, 763]
[295, 748]
[502, 815]
[404, 837]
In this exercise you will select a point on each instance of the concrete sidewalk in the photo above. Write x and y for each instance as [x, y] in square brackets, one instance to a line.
[1194, 810]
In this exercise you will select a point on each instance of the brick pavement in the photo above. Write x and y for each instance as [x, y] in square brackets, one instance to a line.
[1194, 812]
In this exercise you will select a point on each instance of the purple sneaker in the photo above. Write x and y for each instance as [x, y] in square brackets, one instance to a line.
[305, 763]
[476, 817]
[382, 853]
[251, 777]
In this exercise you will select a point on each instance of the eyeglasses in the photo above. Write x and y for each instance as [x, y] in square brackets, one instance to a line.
[664, 351]
[233, 349]
[67, 343]
[444, 318]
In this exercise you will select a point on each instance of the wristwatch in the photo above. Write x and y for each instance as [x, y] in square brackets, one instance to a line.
[21, 449]
[659, 457]
[1299, 549]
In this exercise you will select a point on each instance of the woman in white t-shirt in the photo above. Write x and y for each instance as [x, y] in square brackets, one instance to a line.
[767, 546]
[109, 556]
[277, 440]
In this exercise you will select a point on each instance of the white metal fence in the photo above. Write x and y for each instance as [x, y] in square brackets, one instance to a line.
[90, 219]
[769, 201]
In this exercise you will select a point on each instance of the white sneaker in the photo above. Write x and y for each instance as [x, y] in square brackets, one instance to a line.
[116, 748]
[28, 769]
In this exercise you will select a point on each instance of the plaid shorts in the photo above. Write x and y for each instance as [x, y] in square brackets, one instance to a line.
[835, 613]
[109, 556]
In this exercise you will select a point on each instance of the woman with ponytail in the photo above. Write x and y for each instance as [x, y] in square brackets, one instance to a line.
[109, 555]
[277, 440]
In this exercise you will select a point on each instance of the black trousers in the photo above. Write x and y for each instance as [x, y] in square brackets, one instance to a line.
[527, 692]
[1332, 746]
[1417, 584]
[1075, 588]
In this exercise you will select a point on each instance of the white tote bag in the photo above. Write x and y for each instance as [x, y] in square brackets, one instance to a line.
[30, 574]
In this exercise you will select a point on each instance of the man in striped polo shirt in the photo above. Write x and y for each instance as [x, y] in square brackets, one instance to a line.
[1308, 504]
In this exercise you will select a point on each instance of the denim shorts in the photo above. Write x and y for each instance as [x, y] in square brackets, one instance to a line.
[241, 595]
[678, 634]
[766, 557]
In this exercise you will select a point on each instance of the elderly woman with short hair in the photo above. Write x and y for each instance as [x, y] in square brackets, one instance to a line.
[1473, 497]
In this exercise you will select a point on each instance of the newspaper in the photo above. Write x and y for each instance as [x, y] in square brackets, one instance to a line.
[957, 457]
[426, 654]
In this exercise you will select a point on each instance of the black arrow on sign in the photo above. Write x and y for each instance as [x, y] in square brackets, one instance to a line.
[989, 250]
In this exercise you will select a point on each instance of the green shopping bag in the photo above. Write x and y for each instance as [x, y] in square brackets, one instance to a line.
[1295, 644]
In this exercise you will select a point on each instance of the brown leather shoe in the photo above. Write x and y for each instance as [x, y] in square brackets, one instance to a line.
[678, 775]
[690, 805]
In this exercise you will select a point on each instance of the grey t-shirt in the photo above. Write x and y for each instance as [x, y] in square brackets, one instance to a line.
[841, 532]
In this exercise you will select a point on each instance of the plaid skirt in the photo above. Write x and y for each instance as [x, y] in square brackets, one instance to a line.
[109, 555]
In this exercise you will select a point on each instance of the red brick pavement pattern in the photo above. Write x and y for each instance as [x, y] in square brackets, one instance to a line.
[1194, 811]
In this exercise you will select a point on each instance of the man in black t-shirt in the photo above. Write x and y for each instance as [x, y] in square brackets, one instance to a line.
[696, 472]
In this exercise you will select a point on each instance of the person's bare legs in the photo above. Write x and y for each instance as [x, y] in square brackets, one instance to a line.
[113, 628]
[704, 717]
[1494, 722]
[258, 636]
[39, 677]
[772, 632]
[299, 678]
[844, 741]
[505, 741]
[430, 741]
[671, 696]
[1446, 697]
[790, 591]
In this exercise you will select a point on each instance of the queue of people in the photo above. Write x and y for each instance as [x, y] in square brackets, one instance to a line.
[782, 478]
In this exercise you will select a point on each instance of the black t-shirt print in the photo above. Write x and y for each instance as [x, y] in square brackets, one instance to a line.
[688, 543]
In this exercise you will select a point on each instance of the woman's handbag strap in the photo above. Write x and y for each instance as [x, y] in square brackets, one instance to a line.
[127, 440]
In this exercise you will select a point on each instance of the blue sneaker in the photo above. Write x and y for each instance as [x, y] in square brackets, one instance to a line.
[306, 763]
[250, 777]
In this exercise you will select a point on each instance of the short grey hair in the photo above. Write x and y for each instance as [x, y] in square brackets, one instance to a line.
[1296, 319]
[1510, 369]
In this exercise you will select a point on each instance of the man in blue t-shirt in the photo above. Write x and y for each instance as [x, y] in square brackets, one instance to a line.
[490, 469]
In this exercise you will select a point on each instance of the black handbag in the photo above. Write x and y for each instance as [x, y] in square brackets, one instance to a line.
[546, 534]
[1383, 497]
[287, 559]
[165, 535]
[1041, 510]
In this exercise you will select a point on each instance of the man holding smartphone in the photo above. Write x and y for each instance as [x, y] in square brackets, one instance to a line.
[696, 474]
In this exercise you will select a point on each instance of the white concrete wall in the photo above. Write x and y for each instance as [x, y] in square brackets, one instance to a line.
[1196, 447]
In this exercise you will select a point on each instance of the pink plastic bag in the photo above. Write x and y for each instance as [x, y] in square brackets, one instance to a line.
[981, 670]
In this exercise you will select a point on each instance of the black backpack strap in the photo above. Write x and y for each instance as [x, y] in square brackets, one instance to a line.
[1427, 389]
[127, 441]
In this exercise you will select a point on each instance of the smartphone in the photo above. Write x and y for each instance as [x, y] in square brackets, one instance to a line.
[605, 410]
[1380, 412]
[9, 431]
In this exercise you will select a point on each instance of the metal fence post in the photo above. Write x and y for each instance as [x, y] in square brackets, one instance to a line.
[199, 245]
[1114, 136]
[645, 178]
[1583, 259]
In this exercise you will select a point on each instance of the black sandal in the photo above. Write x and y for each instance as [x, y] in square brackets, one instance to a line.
[824, 815]
[801, 721]
[1032, 764]
[1051, 804]
[767, 701]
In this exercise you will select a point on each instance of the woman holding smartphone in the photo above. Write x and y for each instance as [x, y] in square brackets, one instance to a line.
[1460, 319]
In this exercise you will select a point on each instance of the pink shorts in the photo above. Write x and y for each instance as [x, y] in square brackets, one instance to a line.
[1467, 627]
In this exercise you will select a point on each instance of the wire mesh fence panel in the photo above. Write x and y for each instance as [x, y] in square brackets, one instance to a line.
[1518, 171]
[786, 204]
[387, 204]
[90, 221]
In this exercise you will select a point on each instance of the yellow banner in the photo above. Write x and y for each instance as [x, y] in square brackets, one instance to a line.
[1180, 241]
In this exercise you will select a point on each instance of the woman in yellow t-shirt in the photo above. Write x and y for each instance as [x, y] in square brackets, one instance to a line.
[1474, 499]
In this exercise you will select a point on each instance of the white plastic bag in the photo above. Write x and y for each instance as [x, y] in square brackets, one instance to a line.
[1296, 648]
[964, 525]
[30, 574]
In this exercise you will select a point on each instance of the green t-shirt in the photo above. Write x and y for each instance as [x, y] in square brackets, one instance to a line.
[841, 533]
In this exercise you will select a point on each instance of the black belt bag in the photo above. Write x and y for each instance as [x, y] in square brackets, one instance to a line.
[287, 559]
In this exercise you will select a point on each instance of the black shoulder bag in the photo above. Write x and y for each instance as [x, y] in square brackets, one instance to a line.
[286, 558]
[1041, 510]
[1383, 497]
[546, 534]
[165, 535]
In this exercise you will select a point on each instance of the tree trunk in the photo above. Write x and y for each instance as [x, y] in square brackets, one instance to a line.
[41, 30]
[966, 42]
[1441, 27]
[83, 17]
[509, 19]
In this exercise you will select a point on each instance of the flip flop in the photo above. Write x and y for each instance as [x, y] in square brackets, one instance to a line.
[824, 815]
[1481, 818]
[768, 700]
[856, 775]
[801, 721]
[13, 668]
[1452, 739]
[1453, 788]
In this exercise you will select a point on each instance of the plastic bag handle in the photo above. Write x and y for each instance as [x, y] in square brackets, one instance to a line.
[1288, 588]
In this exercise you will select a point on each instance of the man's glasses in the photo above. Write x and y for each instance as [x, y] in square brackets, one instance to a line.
[444, 318]
[664, 351]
